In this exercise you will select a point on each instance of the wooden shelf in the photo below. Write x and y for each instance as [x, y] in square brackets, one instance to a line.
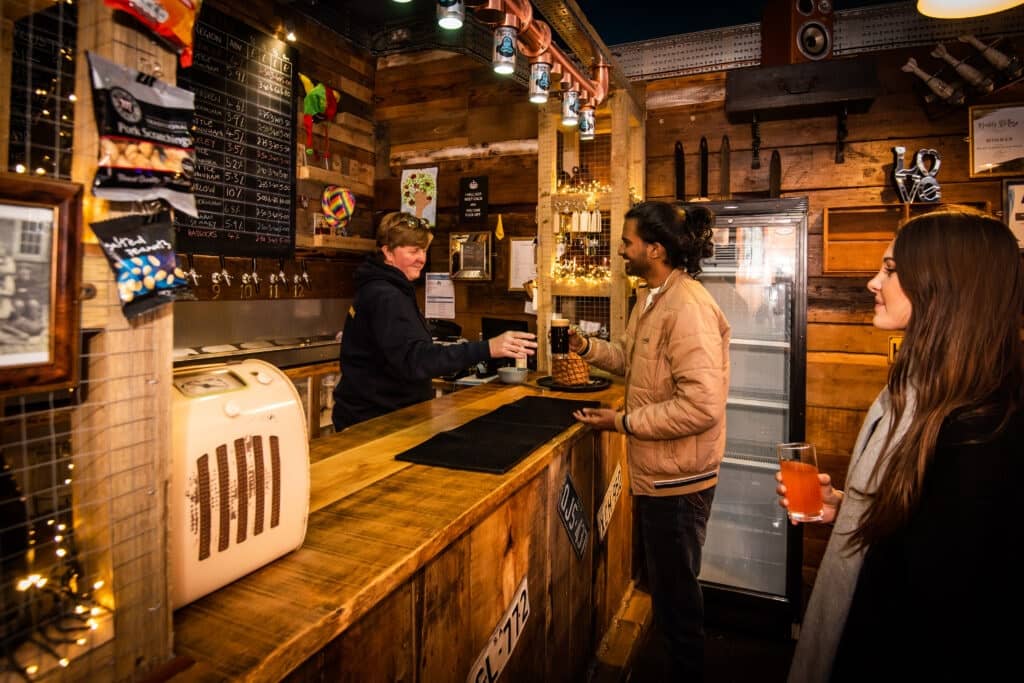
[354, 244]
[322, 175]
[604, 199]
[580, 288]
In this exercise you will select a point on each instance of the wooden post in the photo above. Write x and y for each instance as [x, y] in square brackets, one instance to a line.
[121, 435]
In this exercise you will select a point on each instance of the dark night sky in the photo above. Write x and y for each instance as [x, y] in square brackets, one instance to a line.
[623, 21]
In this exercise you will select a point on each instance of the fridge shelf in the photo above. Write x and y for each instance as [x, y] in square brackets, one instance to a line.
[761, 343]
[751, 400]
[745, 453]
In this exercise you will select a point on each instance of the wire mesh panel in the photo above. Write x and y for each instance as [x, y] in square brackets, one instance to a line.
[590, 313]
[81, 530]
[42, 93]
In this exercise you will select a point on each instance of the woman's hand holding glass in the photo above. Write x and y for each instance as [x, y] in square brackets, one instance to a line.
[512, 344]
[831, 498]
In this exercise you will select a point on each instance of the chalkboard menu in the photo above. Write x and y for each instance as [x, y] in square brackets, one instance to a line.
[244, 129]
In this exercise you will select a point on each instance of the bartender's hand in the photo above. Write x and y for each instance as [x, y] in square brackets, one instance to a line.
[831, 498]
[577, 342]
[511, 344]
[598, 418]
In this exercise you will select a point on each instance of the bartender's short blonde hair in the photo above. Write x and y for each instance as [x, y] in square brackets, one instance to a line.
[400, 229]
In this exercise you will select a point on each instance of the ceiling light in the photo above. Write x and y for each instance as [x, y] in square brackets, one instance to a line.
[403, 2]
[450, 14]
[289, 32]
[962, 9]
[504, 57]
[570, 108]
[586, 124]
[540, 82]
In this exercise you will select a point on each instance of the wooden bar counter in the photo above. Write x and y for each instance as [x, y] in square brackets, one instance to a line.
[406, 570]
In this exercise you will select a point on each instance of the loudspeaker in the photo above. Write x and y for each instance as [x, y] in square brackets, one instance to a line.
[795, 31]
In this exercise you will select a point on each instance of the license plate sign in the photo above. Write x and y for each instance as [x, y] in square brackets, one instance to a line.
[492, 660]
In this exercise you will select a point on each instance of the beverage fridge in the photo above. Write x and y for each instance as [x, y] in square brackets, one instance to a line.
[751, 568]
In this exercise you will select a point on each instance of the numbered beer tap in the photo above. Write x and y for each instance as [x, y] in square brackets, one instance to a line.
[192, 274]
[222, 276]
[1012, 66]
[978, 80]
[277, 280]
[937, 85]
[255, 276]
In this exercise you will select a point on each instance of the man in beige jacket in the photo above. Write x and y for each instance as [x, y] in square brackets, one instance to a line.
[675, 358]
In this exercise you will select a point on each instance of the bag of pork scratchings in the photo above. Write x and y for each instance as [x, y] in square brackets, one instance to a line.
[145, 141]
[140, 251]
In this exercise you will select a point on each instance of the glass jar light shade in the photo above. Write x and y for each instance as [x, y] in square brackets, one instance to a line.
[450, 14]
[540, 82]
[504, 57]
[570, 108]
[586, 124]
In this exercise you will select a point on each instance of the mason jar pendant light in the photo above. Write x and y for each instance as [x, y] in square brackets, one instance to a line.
[450, 14]
[570, 107]
[540, 82]
[504, 57]
[586, 124]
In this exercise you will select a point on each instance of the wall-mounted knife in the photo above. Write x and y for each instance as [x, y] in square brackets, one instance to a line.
[680, 159]
[703, 167]
[724, 179]
[775, 175]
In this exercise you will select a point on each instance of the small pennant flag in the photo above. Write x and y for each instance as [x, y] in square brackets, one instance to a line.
[499, 230]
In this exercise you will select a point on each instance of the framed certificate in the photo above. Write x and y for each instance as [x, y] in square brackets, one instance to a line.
[997, 140]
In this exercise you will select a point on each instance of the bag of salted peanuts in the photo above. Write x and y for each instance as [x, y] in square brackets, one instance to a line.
[145, 137]
[140, 250]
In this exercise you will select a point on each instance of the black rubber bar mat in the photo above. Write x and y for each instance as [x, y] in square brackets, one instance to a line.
[495, 442]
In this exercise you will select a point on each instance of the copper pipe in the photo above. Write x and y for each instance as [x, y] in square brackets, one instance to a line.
[491, 11]
[534, 38]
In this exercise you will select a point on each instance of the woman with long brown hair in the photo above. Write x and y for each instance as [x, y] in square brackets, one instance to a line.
[917, 569]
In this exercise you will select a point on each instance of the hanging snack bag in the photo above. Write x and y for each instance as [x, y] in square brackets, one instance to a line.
[145, 146]
[172, 20]
[141, 254]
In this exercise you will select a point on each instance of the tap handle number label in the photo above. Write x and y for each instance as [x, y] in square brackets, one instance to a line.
[491, 662]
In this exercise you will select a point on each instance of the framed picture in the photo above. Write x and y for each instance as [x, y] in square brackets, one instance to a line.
[1013, 207]
[40, 238]
[997, 140]
[469, 256]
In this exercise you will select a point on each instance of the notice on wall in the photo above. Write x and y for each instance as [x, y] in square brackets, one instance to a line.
[473, 199]
[244, 124]
[440, 296]
[523, 262]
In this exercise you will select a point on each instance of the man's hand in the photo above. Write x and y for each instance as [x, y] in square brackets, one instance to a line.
[576, 341]
[598, 418]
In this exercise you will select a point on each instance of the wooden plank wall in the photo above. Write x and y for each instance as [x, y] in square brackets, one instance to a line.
[448, 110]
[847, 359]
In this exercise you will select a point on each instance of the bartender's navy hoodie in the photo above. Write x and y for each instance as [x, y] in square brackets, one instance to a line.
[387, 354]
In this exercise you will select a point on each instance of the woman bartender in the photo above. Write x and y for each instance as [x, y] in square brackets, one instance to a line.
[388, 356]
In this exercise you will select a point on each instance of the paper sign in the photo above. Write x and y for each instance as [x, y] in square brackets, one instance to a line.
[440, 296]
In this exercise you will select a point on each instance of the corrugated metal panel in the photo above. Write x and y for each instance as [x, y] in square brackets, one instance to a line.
[855, 31]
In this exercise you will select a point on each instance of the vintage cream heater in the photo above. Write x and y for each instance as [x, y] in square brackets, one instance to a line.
[239, 474]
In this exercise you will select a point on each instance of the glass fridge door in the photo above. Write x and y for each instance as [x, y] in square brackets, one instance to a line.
[756, 275]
